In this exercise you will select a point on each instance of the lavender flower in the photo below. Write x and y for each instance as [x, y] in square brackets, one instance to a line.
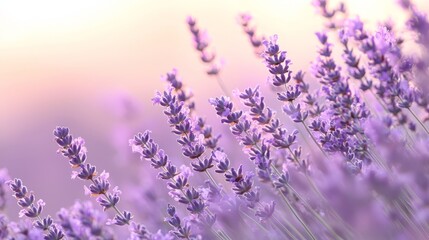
[82, 221]
[259, 153]
[4, 177]
[256, 41]
[75, 150]
[365, 110]
[330, 14]
[181, 190]
[201, 43]
[183, 95]
[31, 209]
[25, 230]
[181, 124]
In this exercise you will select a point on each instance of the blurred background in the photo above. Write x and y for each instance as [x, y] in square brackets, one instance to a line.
[95, 65]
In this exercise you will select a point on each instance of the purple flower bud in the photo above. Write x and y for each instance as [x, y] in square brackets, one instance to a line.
[223, 106]
[234, 176]
[111, 199]
[322, 37]
[183, 232]
[252, 197]
[222, 166]
[174, 221]
[123, 219]
[283, 141]
[196, 206]
[189, 196]
[179, 183]
[290, 95]
[100, 186]
[266, 211]
[203, 165]
[295, 112]
[87, 172]
[139, 231]
[26, 201]
[193, 151]
[54, 233]
[169, 173]
[171, 210]
[44, 224]
[271, 47]
[243, 186]
[282, 181]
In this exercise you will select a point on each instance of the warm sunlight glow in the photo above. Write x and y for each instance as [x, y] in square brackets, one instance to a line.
[20, 18]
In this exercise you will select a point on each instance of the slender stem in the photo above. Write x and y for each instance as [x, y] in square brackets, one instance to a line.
[418, 229]
[256, 222]
[294, 156]
[305, 140]
[314, 139]
[211, 178]
[283, 228]
[285, 199]
[380, 101]
[222, 85]
[317, 215]
[418, 120]
[292, 209]
[294, 229]
[113, 205]
[220, 234]
[251, 218]
[308, 207]
[208, 210]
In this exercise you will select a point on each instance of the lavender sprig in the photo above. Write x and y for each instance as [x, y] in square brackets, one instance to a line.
[183, 95]
[280, 140]
[31, 209]
[242, 182]
[82, 221]
[178, 183]
[346, 110]
[259, 151]
[201, 43]
[382, 50]
[330, 14]
[187, 130]
[181, 124]
[180, 230]
[279, 67]
[75, 150]
[256, 41]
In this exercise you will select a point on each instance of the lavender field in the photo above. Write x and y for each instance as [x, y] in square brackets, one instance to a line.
[214, 120]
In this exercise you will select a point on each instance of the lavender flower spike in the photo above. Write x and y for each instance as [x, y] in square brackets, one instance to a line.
[201, 43]
[31, 209]
[75, 151]
[256, 41]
